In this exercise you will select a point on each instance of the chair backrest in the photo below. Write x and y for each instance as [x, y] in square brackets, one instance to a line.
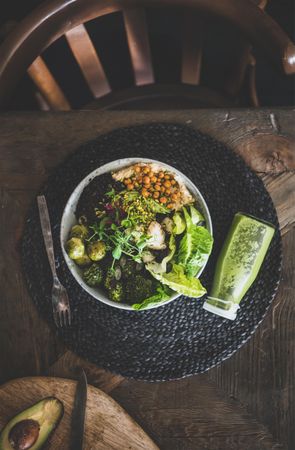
[23, 47]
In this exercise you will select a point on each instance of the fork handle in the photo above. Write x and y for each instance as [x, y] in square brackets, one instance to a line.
[46, 231]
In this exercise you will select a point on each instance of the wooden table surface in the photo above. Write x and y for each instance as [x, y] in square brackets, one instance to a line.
[246, 403]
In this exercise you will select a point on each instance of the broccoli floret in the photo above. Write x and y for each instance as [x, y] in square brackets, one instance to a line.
[109, 279]
[116, 292]
[138, 288]
[128, 267]
[112, 276]
[93, 276]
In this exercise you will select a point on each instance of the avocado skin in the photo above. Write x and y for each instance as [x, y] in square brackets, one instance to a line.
[47, 412]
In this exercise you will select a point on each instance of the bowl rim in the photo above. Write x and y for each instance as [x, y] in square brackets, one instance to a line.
[109, 167]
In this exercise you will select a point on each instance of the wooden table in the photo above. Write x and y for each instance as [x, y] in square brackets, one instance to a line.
[246, 403]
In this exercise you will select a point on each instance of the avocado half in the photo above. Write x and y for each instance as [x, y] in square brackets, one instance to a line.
[31, 428]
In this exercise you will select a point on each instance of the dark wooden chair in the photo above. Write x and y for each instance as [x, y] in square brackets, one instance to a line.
[22, 51]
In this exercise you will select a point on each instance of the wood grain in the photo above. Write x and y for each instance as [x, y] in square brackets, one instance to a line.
[253, 390]
[107, 426]
[193, 410]
[27, 344]
[66, 366]
[261, 374]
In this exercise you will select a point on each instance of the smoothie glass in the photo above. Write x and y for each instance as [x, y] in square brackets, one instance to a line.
[238, 264]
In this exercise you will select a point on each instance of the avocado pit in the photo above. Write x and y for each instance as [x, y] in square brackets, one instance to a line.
[24, 434]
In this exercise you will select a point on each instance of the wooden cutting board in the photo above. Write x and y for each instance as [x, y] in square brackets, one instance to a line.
[107, 425]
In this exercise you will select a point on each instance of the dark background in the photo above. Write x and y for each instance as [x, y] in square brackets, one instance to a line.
[274, 89]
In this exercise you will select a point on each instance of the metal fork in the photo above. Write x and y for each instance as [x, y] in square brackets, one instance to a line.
[60, 300]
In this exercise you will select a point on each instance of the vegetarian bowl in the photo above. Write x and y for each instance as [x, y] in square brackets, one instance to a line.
[136, 233]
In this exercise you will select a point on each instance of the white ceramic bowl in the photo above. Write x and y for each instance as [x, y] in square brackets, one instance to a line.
[69, 219]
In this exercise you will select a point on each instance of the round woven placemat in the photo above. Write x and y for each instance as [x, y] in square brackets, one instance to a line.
[178, 339]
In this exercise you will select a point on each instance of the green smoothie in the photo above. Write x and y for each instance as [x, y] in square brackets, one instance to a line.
[238, 264]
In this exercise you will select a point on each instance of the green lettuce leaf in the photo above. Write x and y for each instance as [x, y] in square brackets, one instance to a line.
[194, 248]
[162, 293]
[196, 216]
[179, 223]
[179, 282]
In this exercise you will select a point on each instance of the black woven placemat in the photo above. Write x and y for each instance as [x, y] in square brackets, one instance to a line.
[178, 339]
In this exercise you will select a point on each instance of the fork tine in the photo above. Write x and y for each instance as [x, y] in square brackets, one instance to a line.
[56, 318]
[63, 319]
[60, 319]
[68, 314]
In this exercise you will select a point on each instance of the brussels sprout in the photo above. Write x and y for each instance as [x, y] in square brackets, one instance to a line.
[93, 276]
[138, 288]
[116, 292]
[79, 231]
[83, 261]
[96, 250]
[75, 248]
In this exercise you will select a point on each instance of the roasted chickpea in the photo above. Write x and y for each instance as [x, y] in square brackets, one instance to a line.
[167, 177]
[170, 205]
[154, 179]
[163, 188]
[174, 196]
[146, 180]
[130, 186]
[145, 193]
[137, 169]
[157, 187]
[156, 194]
[125, 181]
[167, 184]
[146, 169]
[163, 200]
[136, 184]
[161, 175]
[139, 179]
[168, 191]
[173, 182]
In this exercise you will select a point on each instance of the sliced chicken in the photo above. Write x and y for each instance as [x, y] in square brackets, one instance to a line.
[157, 241]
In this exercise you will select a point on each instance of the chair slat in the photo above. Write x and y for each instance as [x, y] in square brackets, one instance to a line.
[47, 85]
[192, 48]
[252, 82]
[88, 60]
[242, 61]
[42, 103]
[139, 46]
